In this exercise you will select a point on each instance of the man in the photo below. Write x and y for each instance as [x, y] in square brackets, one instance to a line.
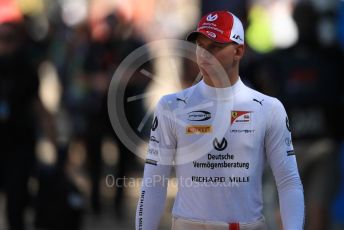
[219, 133]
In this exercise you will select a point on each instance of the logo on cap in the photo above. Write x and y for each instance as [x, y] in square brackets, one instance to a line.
[211, 17]
[237, 36]
[211, 34]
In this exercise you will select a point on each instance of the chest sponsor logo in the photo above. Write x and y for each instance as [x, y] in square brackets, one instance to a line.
[287, 124]
[247, 131]
[155, 123]
[199, 115]
[240, 117]
[198, 129]
[290, 153]
[153, 152]
[153, 139]
[288, 141]
[151, 162]
[220, 146]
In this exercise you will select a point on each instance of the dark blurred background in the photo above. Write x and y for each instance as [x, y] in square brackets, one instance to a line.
[58, 152]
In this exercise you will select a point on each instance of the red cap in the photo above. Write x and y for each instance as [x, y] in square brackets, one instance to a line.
[220, 26]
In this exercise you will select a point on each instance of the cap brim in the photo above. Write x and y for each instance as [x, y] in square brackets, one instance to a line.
[191, 37]
[194, 34]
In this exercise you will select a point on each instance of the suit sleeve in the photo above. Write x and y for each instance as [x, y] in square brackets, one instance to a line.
[159, 160]
[282, 160]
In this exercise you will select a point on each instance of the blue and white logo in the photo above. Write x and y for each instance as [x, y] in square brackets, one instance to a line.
[211, 17]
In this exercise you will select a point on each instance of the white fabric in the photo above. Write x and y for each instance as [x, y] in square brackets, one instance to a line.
[237, 32]
[219, 168]
[182, 224]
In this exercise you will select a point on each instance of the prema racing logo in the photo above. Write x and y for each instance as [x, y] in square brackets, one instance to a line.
[200, 115]
[240, 117]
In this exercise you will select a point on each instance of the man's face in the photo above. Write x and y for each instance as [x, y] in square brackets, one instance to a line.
[227, 54]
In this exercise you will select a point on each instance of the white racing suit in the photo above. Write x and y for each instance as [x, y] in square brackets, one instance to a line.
[219, 141]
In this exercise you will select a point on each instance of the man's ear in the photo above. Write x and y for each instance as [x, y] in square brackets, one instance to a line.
[239, 52]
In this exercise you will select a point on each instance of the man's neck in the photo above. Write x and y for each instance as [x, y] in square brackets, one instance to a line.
[231, 79]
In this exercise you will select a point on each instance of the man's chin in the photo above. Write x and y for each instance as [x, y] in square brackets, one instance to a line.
[208, 69]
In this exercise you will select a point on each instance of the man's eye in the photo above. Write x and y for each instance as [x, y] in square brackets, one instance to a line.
[215, 48]
[219, 46]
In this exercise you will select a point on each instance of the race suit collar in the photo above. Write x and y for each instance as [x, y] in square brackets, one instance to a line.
[226, 93]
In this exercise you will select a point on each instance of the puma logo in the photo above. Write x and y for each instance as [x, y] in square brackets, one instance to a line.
[183, 100]
[260, 102]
